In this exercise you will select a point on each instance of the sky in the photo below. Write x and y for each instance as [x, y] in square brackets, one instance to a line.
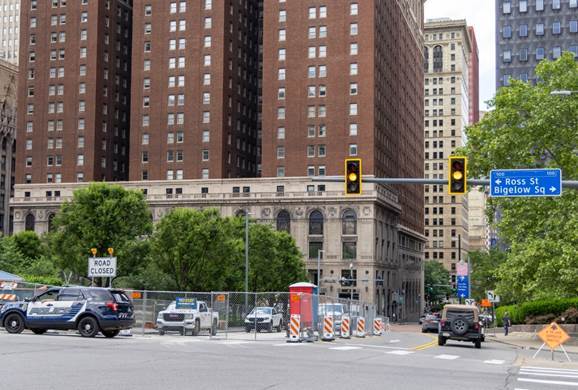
[480, 15]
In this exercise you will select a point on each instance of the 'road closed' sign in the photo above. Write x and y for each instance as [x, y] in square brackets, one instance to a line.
[102, 267]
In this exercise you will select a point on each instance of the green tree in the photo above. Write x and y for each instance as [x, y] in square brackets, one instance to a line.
[198, 249]
[274, 259]
[436, 282]
[530, 128]
[30, 245]
[485, 266]
[11, 259]
[99, 216]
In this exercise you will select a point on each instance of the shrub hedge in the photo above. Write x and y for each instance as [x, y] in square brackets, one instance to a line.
[521, 313]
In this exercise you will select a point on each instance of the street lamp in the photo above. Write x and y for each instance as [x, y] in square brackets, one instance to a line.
[562, 92]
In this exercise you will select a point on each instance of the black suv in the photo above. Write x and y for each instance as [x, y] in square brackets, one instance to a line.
[461, 323]
[89, 310]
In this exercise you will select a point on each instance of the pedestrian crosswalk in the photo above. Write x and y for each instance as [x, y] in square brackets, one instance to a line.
[533, 377]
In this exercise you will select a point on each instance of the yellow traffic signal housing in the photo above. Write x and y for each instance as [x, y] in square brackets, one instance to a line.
[353, 176]
[458, 180]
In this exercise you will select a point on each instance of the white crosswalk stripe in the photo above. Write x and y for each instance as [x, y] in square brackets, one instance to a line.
[548, 376]
[400, 352]
[494, 361]
[345, 348]
[447, 357]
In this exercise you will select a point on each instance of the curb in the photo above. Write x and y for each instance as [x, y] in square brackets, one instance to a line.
[526, 347]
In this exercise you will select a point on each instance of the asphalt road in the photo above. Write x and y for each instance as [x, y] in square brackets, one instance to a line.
[397, 361]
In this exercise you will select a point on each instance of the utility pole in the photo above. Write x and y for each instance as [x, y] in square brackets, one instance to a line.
[247, 259]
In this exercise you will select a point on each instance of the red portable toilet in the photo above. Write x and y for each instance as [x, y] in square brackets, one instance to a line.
[303, 300]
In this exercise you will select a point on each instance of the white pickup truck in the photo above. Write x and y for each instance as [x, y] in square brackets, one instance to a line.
[187, 316]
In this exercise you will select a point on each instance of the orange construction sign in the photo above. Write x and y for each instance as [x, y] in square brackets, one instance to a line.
[486, 303]
[553, 335]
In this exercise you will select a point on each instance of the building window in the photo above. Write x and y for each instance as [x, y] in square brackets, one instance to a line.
[523, 32]
[316, 223]
[438, 60]
[556, 28]
[573, 26]
[353, 150]
[555, 4]
[507, 32]
[284, 221]
[539, 5]
[539, 29]
[349, 250]
[29, 223]
[506, 7]
[349, 222]
[539, 53]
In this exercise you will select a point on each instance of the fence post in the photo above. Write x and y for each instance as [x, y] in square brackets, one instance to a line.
[144, 304]
[227, 317]
[211, 312]
[255, 316]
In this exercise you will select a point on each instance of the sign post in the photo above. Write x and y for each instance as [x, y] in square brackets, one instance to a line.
[525, 182]
[553, 336]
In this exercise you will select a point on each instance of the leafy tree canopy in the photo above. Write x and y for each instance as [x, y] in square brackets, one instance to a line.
[530, 128]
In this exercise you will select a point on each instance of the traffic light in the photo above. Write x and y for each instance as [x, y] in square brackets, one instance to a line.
[353, 176]
[458, 175]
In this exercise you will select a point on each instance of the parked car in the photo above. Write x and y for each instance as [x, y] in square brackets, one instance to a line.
[431, 323]
[461, 323]
[89, 310]
[191, 317]
[264, 318]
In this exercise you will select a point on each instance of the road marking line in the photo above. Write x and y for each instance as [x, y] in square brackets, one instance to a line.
[377, 346]
[234, 342]
[493, 361]
[426, 346]
[399, 352]
[289, 344]
[345, 348]
[447, 357]
[561, 383]
[548, 374]
[394, 341]
[548, 369]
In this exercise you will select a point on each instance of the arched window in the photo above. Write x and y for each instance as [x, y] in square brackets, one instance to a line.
[51, 222]
[284, 221]
[349, 222]
[240, 213]
[426, 59]
[30, 222]
[438, 59]
[316, 223]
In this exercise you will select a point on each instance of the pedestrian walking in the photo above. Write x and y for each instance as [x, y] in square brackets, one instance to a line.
[507, 323]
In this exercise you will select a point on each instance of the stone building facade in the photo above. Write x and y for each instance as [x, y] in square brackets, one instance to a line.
[362, 231]
[9, 30]
[447, 88]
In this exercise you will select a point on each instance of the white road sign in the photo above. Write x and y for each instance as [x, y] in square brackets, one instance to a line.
[470, 302]
[491, 296]
[101, 267]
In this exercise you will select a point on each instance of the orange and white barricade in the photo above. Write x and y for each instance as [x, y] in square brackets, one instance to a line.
[377, 327]
[328, 332]
[345, 327]
[8, 297]
[294, 329]
[360, 327]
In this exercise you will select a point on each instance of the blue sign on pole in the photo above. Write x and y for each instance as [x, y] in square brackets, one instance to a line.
[525, 182]
[463, 287]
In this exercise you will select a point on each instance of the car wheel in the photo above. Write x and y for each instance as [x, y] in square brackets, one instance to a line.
[248, 329]
[109, 334]
[88, 327]
[423, 330]
[161, 332]
[38, 331]
[197, 328]
[270, 327]
[279, 327]
[459, 326]
[441, 341]
[478, 344]
[214, 328]
[14, 323]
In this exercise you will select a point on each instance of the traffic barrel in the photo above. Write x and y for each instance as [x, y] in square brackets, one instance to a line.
[294, 328]
[328, 333]
[345, 329]
[377, 327]
[360, 327]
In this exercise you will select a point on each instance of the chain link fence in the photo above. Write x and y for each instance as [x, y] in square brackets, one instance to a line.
[233, 316]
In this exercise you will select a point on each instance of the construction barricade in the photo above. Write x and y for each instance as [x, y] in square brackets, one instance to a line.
[377, 327]
[360, 327]
[294, 329]
[345, 327]
[328, 329]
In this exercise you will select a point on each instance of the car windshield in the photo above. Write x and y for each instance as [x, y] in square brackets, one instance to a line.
[262, 310]
[329, 308]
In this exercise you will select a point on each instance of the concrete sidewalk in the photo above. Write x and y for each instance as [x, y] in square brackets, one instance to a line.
[526, 340]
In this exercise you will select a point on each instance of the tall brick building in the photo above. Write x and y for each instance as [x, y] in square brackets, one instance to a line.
[195, 89]
[344, 79]
[74, 78]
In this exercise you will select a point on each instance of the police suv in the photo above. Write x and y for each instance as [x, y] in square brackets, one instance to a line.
[89, 310]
